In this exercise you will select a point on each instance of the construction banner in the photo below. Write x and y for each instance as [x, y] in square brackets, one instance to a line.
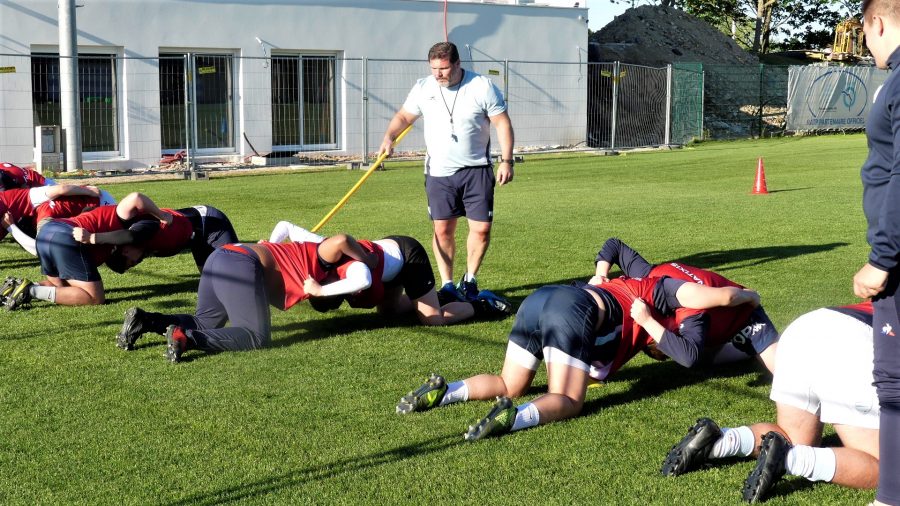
[831, 98]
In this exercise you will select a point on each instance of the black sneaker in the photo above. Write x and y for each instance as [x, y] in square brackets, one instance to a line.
[770, 467]
[693, 449]
[492, 304]
[132, 329]
[447, 294]
[468, 290]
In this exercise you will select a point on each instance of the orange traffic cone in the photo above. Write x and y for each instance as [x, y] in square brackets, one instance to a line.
[759, 186]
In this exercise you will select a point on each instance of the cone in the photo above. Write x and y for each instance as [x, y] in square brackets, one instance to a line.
[759, 186]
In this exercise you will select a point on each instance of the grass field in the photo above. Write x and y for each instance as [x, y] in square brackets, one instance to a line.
[311, 420]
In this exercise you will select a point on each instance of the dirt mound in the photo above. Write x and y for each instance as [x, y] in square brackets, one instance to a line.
[655, 36]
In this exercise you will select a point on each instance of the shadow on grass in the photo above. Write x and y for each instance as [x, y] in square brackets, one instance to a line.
[747, 257]
[791, 189]
[144, 292]
[320, 472]
[19, 263]
[652, 380]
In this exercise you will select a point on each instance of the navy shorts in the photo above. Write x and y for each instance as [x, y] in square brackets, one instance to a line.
[555, 323]
[469, 192]
[758, 335]
[62, 256]
[416, 276]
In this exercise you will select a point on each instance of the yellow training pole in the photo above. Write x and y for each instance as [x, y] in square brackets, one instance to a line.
[359, 183]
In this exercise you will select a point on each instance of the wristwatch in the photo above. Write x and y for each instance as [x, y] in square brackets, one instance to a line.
[511, 161]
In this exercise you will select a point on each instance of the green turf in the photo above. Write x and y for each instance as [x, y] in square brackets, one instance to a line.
[311, 420]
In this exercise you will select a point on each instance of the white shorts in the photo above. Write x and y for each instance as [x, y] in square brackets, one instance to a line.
[823, 365]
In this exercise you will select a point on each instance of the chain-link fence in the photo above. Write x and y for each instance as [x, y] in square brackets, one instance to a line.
[226, 108]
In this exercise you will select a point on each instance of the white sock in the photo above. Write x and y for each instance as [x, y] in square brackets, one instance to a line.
[527, 415]
[457, 391]
[737, 442]
[445, 282]
[814, 464]
[39, 292]
[469, 277]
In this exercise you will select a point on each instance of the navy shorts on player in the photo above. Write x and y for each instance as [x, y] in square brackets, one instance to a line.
[416, 276]
[232, 289]
[212, 229]
[556, 323]
[62, 256]
[469, 192]
[759, 334]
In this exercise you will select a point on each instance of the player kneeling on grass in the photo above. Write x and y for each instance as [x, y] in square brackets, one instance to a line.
[238, 284]
[724, 334]
[824, 375]
[201, 229]
[582, 333]
[71, 250]
[402, 282]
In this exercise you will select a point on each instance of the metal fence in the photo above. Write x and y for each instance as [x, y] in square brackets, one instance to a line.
[214, 106]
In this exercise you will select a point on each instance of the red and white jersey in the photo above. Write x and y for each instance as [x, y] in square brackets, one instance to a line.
[17, 203]
[101, 219]
[724, 322]
[21, 178]
[66, 207]
[374, 295]
[297, 261]
[170, 239]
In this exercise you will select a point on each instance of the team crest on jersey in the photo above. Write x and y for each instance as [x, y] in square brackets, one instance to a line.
[887, 330]
[687, 272]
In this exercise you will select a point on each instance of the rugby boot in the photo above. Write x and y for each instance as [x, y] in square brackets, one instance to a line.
[427, 396]
[8, 286]
[770, 467]
[137, 323]
[19, 296]
[693, 449]
[499, 420]
[176, 343]
[468, 290]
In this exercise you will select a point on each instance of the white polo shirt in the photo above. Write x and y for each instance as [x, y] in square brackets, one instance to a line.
[466, 140]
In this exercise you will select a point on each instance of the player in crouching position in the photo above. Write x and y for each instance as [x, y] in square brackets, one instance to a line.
[722, 334]
[581, 333]
[824, 375]
[401, 283]
[238, 284]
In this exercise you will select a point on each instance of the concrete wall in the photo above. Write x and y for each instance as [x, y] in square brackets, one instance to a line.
[349, 29]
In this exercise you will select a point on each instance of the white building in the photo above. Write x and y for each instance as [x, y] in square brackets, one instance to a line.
[277, 75]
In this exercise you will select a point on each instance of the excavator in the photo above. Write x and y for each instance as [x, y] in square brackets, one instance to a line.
[848, 42]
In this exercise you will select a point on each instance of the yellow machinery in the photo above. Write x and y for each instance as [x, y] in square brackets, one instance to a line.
[848, 41]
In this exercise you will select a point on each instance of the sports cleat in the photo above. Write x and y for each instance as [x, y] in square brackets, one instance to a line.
[498, 421]
[770, 467]
[8, 286]
[176, 343]
[495, 303]
[693, 449]
[468, 290]
[448, 293]
[19, 296]
[132, 328]
[427, 396]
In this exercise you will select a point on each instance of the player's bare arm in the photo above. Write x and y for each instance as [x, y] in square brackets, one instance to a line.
[398, 123]
[506, 137]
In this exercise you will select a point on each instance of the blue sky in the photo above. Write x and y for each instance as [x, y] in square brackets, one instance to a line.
[602, 12]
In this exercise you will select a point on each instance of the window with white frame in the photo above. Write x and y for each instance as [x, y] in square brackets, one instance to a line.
[303, 105]
[97, 85]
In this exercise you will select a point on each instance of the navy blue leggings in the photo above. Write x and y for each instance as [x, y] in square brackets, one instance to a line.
[232, 289]
[886, 333]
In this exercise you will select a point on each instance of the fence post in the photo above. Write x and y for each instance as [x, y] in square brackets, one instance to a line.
[762, 71]
[187, 101]
[365, 110]
[615, 103]
[192, 73]
[702, 98]
[506, 81]
[667, 136]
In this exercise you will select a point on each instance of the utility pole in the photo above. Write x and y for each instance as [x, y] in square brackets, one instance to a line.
[70, 104]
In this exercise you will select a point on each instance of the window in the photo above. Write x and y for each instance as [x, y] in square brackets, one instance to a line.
[97, 98]
[213, 111]
[303, 108]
